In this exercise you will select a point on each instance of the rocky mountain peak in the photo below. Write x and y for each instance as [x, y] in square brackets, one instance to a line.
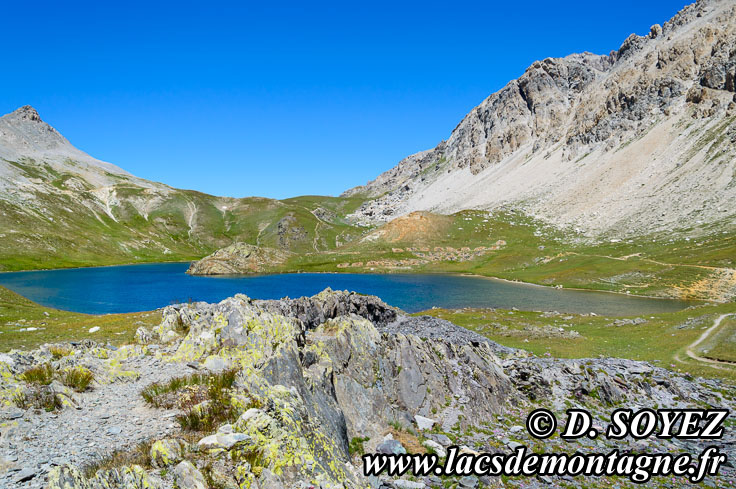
[24, 131]
[580, 141]
[25, 136]
[26, 113]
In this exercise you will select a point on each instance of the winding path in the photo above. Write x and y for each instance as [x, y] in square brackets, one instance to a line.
[703, 337]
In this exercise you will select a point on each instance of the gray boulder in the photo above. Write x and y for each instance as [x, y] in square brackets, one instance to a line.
[186, 476]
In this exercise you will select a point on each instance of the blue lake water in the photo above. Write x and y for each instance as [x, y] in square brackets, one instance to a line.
[144, 287]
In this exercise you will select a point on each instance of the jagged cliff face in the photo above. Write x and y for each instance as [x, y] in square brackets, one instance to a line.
[635, 141]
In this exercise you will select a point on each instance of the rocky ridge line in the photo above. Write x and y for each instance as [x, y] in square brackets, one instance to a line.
[632, 142]
[316, 374]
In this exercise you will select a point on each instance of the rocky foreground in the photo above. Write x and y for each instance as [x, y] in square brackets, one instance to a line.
[290, 393]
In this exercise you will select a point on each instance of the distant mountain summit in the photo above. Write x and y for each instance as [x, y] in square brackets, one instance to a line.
[61, 207]
[640, 140]
[24, 135]
[25, 113]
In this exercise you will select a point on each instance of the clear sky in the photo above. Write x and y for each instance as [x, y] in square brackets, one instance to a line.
[281, 99]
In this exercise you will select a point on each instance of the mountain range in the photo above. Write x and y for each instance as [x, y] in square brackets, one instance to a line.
[625, 156]
[61, 207]
[637, 141]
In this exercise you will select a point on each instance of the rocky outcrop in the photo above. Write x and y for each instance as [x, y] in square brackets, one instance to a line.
[289, 232]
[630, 142]
[329, 304]
[239, 258]
[316, 381]
[344, 329]
[326, 358]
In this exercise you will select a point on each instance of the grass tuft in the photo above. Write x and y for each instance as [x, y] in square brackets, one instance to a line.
[356, 445]
[58, 352]
[218, 408]
[40, 375]
[139, 455]
[78, 378]
[38, 397]
[159, 395]
[205, 399]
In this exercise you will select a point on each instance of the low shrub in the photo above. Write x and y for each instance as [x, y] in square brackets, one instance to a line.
[58, 352]
[39, 397]
[40, 375]
[78, 378]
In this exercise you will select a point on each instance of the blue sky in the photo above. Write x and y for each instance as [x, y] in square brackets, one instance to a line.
[239, 98]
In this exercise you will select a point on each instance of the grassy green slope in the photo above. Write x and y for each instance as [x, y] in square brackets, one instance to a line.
[26, 325]
[59, 227]
[662, 338]
[534, 252]
[722, 344]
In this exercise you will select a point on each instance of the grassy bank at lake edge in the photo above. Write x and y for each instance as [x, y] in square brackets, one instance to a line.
[516, 247]
[49, 325]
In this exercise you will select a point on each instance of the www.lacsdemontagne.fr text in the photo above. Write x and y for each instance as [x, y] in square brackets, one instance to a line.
[638, 467]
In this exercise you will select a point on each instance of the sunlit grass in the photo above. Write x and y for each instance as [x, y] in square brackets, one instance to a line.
[662, 339]
[78, 378]
[48, 325]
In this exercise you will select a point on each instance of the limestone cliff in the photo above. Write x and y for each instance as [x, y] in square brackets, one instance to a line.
[638, 140]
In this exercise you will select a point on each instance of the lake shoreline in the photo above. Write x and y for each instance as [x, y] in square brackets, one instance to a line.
[87, 267]
[403, 272]
[130, 288]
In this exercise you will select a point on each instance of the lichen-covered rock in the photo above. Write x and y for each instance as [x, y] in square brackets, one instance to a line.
[323, 374]
[143, 336]
[66, 477]
[166, 452]
[186, 476]
[226, 441]
[70, 477]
